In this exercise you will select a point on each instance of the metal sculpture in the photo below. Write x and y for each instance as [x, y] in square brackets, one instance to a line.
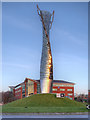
[46, 67]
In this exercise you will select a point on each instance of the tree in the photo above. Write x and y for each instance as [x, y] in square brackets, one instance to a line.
[7, 97]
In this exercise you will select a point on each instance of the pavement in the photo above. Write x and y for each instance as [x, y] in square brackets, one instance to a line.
[76, 113]
[45, 116]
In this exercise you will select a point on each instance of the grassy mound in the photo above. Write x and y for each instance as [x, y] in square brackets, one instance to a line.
[44, 100]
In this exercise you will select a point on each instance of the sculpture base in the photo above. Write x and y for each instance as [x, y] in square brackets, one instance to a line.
[46, 86]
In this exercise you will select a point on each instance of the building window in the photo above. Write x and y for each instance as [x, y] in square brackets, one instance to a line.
[70, 94]
[63, 85]
[38, 88]
[17, 91]
[70, 85]
[69, 89]
[55, 85]
[30, 84]
[30, 87]
[17, 87]
[54, 89]
[23, 88]
[62, 89]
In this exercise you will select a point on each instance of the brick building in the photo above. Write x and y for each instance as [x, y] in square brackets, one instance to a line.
[30, 86]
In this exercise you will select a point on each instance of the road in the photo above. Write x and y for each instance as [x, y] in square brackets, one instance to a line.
[45, 116]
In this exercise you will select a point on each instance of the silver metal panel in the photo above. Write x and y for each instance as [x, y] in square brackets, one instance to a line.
[46, 66]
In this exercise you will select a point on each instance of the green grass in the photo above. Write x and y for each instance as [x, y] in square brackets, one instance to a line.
[0, 109]
[44, 103]
[43, 109]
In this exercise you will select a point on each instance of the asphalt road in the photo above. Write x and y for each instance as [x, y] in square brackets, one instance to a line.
[45, 117]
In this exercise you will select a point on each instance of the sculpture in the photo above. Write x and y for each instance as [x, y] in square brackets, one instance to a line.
[46, 67]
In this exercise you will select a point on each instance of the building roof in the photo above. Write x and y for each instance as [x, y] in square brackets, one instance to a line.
[16, 85]
[11, 87]
[24, 82]
[60, 81]
[30, 80]
[54, 81]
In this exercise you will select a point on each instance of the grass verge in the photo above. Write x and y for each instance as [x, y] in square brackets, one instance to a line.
[43, 109]
[44, 103]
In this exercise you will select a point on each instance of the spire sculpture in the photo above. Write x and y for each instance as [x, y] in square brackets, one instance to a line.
[46, 67]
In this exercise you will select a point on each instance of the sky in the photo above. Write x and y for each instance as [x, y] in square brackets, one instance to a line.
[22, 42]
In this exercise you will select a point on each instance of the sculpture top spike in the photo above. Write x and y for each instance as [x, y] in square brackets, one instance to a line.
[40, 14]
[38, 10]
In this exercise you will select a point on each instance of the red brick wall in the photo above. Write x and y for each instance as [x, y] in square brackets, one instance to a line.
[21, 92]
[25, 88]
[18, 93]
[35, 88]
[65, 92]
[14, 92]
